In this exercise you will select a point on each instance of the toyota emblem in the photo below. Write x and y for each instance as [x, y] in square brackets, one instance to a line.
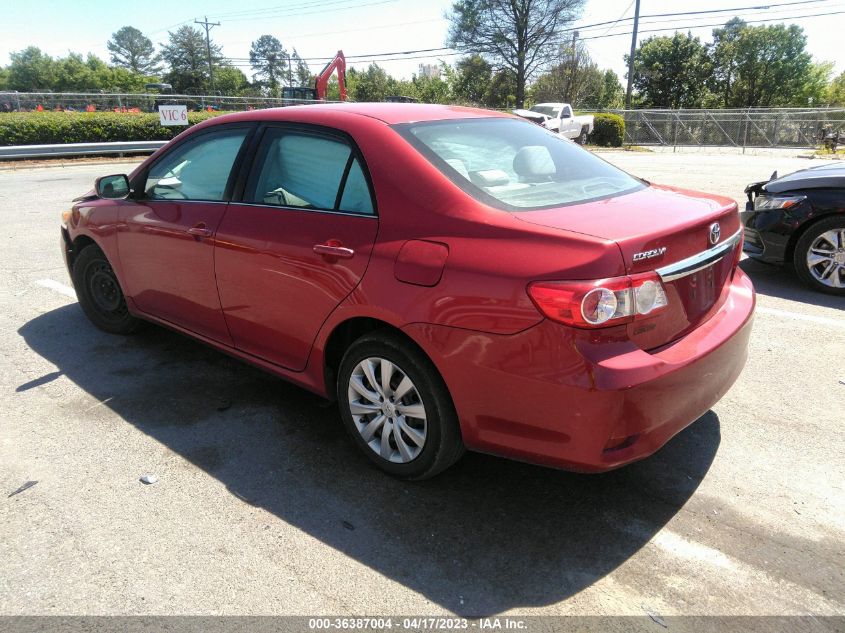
[715, 232]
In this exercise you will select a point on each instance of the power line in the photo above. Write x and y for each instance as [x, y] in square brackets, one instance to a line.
[300, 36]
[717, 24]
[743, 15]
[282, 10]
[366, 56]
[392, 55]
[619, 19]
[710, 11]
[299, 13]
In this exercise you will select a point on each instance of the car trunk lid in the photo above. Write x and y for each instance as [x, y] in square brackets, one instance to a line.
[666, 230]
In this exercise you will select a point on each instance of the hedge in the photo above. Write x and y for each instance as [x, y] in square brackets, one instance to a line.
[45, 128]
[608, 130]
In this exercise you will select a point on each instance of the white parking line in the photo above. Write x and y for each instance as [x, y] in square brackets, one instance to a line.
[679, 546]
[802, 317]
[62, 289]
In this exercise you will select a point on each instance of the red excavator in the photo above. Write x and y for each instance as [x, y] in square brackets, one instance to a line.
[321, 83]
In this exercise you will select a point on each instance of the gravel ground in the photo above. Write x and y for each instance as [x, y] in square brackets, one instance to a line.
[263, 507]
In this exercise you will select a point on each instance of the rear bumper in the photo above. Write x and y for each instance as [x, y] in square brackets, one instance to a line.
[570, 399]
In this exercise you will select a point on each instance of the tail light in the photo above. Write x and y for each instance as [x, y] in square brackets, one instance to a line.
[599, 303]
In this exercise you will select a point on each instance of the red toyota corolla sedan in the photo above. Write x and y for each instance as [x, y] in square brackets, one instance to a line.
[455, 278]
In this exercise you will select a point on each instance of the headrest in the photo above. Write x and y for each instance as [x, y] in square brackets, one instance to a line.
[533, 161]
[459, 166]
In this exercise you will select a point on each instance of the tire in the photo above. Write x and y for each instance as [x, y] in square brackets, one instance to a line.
[824, 244]
[99, 293]
[406, 445]
[582, 137]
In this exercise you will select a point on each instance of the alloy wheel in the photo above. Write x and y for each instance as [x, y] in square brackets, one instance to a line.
[826, 258]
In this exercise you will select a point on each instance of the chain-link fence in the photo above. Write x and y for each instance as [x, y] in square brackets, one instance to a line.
[123, 102]
[758, 127]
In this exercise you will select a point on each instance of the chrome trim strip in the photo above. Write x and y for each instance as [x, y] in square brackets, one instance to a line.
[354, 214]
[699, 261]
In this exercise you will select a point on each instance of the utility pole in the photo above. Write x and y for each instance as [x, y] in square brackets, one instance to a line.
[208, 26]
[290, 71]
[631, 57]
[570, 89]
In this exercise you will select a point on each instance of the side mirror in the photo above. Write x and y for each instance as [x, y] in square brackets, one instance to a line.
[115, 187]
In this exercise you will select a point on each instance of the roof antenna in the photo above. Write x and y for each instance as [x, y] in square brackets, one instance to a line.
[774, 175]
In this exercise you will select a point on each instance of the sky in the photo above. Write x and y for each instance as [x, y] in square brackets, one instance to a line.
[318, 28]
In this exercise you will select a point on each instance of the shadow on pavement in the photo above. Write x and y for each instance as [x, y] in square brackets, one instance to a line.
[781, 281]
[486, 536]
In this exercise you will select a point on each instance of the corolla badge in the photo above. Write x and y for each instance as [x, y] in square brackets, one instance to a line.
[655, 252]
[715, 232]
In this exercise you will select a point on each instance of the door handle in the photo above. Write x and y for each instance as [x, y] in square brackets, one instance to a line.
[199, 231]
[333, 248]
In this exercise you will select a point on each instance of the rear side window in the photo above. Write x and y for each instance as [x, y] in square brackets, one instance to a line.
[356, 193]
[198, 169]
[308, 171]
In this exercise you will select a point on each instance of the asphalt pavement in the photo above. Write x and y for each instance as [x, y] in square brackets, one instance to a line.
[262, 505]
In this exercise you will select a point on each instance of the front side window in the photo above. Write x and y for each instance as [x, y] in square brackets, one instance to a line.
[198, 169]
[308, 171]
[516, 165]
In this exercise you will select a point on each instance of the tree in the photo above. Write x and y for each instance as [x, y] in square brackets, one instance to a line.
[472, 79]
[574, 79]
[31, 70]
[836, 91]
[73, 75]
[765, 66]
[301, 72]
[519, 35]
[723, 53]
[612, 92]
[671, 71]
[186, 55]
[374, 84]
[431, 88]
[269, 60]
[502, 91]
[230, 81]
[133, 50]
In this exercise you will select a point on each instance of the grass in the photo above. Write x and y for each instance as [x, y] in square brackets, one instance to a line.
[625, 148]
[824, 151]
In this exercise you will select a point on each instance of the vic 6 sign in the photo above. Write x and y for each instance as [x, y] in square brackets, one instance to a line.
[173, 114]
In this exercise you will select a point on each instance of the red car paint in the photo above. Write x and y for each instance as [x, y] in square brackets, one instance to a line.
[452, 273]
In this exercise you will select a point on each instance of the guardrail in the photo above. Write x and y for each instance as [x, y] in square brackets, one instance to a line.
[78, 149]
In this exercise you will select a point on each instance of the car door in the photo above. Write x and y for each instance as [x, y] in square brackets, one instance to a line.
[297, 243]
[166, 241]
[566, 122]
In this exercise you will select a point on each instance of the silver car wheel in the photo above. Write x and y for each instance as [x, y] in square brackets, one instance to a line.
[826, 258]
[387, 410]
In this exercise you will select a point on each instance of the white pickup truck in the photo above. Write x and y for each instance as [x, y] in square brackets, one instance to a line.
[559, 117]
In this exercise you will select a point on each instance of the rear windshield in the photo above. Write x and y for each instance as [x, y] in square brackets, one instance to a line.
[516, 165]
